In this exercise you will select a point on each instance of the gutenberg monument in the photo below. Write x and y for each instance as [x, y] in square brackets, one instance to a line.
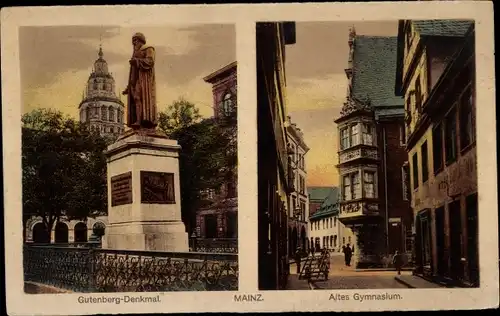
[143, 169]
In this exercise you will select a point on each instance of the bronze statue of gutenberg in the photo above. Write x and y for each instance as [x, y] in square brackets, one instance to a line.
[141, 88]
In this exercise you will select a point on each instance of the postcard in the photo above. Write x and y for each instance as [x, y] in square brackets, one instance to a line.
[255, 158]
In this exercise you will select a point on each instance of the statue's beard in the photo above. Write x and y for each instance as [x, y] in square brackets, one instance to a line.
[137, 47]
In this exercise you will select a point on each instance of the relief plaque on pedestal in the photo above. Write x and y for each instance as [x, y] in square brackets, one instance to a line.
[157, 187]
[121, 189]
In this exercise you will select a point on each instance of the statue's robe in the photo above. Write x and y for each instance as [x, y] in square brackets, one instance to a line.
[141, 96]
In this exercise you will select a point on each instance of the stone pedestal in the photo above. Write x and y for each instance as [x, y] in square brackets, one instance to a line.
[144, 211]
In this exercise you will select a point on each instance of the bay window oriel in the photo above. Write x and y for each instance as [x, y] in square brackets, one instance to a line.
[359, 184]
[367, 134]
[369, 184]
[356, 134]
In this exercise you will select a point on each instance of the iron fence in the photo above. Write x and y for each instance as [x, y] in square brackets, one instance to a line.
[105, 270]
[88, 244]
[215, 245]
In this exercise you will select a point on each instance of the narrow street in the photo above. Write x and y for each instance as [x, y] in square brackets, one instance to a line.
[342, 277]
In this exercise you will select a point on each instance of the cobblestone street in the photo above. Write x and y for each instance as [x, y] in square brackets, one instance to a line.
[363, 280]
[342, 277]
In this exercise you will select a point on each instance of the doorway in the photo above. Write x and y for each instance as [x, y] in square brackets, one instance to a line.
[210, 226]
[80, 232]
[442, 260]
[455, 240]
[61, 233]
[472, 239]
[40, 234]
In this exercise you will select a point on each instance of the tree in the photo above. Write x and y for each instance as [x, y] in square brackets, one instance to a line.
[179, 114]
[206, 159]
[64, 168]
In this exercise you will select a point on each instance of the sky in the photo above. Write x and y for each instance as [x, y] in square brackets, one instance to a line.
[317, 88]
[56, 62]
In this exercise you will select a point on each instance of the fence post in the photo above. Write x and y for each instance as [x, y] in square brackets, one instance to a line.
[193, 241]
[91, 262]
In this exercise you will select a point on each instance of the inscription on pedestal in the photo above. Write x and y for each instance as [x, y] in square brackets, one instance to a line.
[121, 189]
[157, 187]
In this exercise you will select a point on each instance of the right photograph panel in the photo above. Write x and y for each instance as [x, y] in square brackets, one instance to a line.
[367, 155]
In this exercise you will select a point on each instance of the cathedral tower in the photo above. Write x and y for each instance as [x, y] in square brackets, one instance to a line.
[100, 107]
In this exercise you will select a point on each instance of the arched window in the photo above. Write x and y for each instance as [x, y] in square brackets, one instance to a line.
[111, 114]
[104, 113]
[227, 103]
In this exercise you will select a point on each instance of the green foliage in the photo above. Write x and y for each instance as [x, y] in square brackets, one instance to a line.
[64, 168]
[207, 158]
[179, 114]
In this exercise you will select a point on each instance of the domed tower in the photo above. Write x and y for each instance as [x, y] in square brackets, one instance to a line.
[100, 107]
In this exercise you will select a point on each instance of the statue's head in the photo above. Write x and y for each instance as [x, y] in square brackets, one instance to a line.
[138, 38]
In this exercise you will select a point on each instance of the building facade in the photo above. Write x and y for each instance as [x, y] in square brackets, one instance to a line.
[274, 172]
[317, 195]
[298, 198]
[219, 218]
[372, 153]
[100, 107]
[325, 230]
[436, 76]
[64, 230]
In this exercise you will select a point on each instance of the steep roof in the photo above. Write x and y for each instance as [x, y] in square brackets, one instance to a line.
[442, 27]
[318, 193]
[329, 205]
[374, 70]
[427, 28]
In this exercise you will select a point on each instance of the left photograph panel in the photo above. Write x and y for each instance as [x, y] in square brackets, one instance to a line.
[129, 158]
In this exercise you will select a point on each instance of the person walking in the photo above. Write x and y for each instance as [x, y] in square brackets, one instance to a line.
[397, 261]
[298, 258]
[347, 255]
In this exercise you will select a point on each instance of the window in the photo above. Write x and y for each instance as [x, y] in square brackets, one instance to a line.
[111, 114]
[451, 137]
[312, 226]
[349, 239]
[418, 95]
[356, 186]
[227, 103]
[402, 135]
[347, 188]
[352, 186]
[344, 138]
[437, 148]
[231, 189]
[369, 185]
[104, 114]
[343, 240]
[334, 221]
[425, 163]
[354, 135]
[415, 171]
[467, 120]
[367, 134]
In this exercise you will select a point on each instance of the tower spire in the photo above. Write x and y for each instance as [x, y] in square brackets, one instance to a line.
[100, 44]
